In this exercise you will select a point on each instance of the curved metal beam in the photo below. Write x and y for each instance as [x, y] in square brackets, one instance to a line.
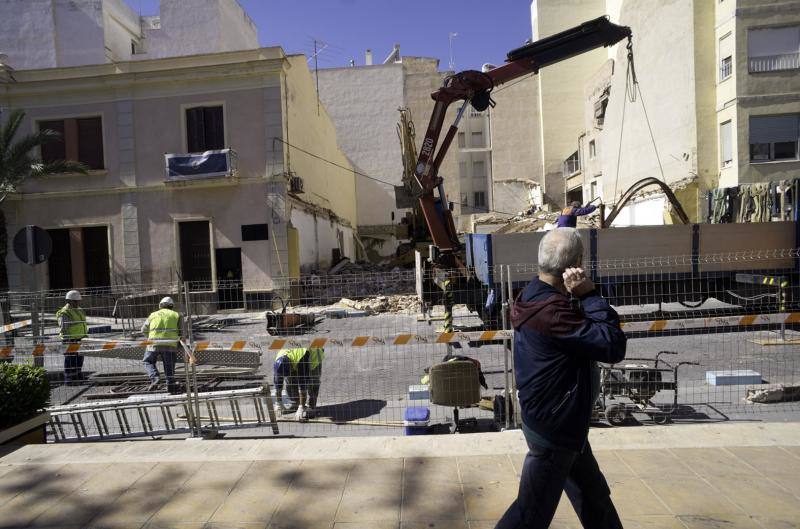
[638, 186]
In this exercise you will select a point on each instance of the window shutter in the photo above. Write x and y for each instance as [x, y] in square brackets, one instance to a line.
[55, 149]
[90, 142]
[726, 142]
[773, 129]
[773, 41]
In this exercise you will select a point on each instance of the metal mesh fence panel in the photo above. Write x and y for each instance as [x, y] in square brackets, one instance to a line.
[710, 337]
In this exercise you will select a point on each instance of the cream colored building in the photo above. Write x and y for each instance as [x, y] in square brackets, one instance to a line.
[719, 85]
[286, 200]
[537, 119]
[363, 102]
[757, 91]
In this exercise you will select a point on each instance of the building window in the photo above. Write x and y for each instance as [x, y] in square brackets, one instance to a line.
[726, 144]
[593, 190]
[462, 142]
[478, 169]
[255, 232]
[204, 129]
[462, 169]
[81, 140]
[592, 150]
[600, 108]
[773, 49]
[725, 57]
[774, 137]
[725, 68]
[464, 201]
[477, 139]
[480, 199]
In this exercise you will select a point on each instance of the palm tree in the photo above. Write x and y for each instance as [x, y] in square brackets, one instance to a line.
[18, 162]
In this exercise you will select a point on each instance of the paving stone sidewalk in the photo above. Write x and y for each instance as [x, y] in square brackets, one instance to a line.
[251, 484]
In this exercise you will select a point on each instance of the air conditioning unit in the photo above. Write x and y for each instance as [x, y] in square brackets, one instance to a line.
[198, 166]
[296, 184]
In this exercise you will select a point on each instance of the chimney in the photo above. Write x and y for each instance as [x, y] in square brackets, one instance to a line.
[369, 58]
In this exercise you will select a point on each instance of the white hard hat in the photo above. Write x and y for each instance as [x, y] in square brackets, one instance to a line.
[73, 295]
[167, 301]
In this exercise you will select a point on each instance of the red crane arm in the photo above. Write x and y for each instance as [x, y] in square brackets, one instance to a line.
[475, 87]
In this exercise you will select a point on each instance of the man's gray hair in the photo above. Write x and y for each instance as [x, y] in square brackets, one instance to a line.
[559, 249]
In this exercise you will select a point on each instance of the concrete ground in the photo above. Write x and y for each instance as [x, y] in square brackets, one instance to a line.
[679, 476]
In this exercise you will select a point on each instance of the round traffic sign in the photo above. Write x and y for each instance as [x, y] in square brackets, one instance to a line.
[40, 242]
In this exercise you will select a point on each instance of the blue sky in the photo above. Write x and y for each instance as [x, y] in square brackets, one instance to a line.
[487, 29]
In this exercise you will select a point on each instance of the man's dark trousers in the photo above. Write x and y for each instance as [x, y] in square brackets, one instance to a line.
[545, 473]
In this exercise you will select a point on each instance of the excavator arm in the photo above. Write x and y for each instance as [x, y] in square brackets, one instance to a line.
[475, 88]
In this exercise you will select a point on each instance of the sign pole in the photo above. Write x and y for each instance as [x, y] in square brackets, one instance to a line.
[35, 327]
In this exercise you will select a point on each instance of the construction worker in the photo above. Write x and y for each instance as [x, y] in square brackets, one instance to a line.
[72, 329]
[164, 325]
[300, 370]
[569, 215]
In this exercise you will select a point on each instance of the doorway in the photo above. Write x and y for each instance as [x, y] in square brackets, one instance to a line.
[194, 242]
[59, 266]
[230, 287]
[80, 258]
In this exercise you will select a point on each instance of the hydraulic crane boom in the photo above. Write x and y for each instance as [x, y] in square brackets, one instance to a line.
[475, 87]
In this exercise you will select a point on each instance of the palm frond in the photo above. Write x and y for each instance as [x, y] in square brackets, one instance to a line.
[57, 167]
[24, 145]
[10, 128]
[18, 160]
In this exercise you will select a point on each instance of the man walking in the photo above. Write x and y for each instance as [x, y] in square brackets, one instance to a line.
[164, 325]
[72, 329]
[301, 371]
[569, 215]
[563, 328]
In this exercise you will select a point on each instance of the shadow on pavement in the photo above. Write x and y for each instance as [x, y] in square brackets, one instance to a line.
[350, 411]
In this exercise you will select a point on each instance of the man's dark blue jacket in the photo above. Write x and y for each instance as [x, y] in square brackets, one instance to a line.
[556, 344]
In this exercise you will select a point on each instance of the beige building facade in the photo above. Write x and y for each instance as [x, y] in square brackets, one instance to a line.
[717, 105]
[271, 210]
[758, 91]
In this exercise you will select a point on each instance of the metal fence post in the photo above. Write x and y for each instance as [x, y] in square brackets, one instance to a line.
[517, 412]
[506, 349]
[192, 415]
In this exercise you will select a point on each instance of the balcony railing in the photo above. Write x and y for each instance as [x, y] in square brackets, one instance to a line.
[774, 63]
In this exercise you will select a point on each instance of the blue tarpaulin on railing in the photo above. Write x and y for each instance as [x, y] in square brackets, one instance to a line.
[209, 164]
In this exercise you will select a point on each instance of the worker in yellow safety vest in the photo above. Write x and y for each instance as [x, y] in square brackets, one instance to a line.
[72, 329]
[164, 325]
[300, 370]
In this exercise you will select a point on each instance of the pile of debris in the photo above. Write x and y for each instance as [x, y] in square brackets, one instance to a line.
[397, 304]
[774, 393]
[347, 279]
[544, 221]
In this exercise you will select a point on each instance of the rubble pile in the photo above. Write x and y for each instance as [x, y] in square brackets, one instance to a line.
[543, 222]
[774, 393]
[397, 304]
[355, 281]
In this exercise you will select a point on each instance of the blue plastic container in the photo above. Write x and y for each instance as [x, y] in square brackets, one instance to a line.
[416, 420]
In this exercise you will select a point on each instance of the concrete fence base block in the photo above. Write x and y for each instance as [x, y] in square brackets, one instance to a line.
[733, 377]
